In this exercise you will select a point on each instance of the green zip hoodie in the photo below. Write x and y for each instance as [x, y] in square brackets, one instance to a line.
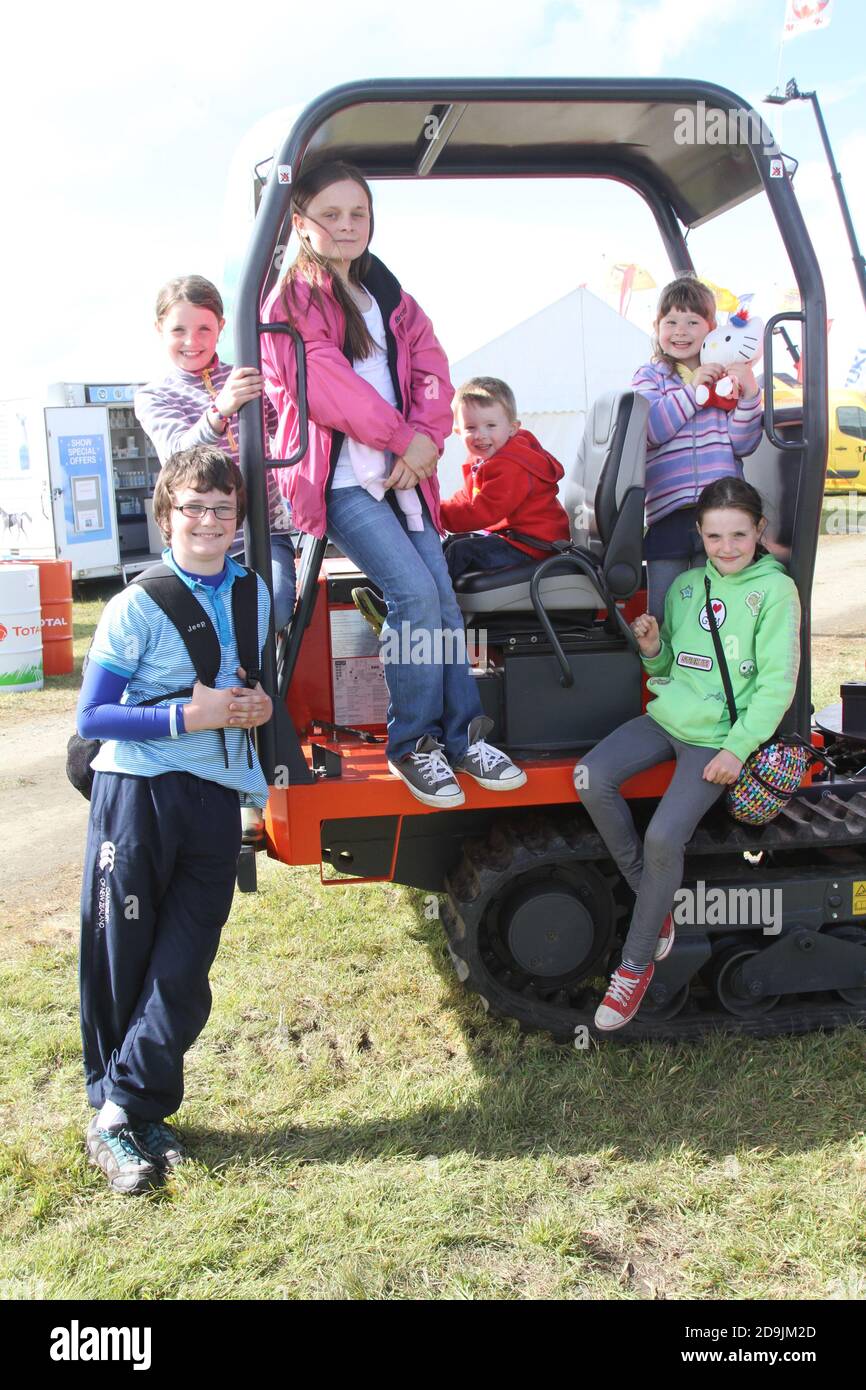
[758, 618]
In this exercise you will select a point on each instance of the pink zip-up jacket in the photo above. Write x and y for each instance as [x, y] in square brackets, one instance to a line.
[340, 402]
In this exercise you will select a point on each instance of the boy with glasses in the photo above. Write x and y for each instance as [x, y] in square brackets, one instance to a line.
[165, 823]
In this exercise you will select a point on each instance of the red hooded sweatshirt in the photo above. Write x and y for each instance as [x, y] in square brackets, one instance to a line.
[515, 487]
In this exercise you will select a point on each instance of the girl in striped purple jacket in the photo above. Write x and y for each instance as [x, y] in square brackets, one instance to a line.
[196, 402]
[688, 446]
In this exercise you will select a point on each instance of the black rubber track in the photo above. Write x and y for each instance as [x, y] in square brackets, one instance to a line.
[515, 848]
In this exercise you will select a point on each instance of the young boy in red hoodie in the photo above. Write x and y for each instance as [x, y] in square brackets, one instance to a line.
[509, 481]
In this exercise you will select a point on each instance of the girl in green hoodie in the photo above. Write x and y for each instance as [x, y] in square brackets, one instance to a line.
[757, 614]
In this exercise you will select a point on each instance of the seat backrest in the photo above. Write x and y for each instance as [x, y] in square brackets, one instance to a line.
[611, 460]
[604, 491]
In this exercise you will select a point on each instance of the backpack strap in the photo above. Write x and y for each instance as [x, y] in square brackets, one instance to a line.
[198, 634]
[245, 613]
[183, 609]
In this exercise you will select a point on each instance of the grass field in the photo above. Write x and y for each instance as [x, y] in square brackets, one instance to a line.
[362, 1129]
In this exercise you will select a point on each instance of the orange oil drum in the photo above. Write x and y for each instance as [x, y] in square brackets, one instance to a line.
[55, 598]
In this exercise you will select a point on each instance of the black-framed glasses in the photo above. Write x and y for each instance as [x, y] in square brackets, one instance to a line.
[223, 511]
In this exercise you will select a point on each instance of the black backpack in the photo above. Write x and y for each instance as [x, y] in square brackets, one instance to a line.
[181, 606]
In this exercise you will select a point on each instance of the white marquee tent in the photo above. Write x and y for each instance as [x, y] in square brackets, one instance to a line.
[557, 363]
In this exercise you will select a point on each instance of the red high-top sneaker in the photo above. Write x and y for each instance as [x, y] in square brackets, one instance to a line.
[665, 943]
[623, 998]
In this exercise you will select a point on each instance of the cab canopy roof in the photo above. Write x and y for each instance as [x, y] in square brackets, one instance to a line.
[692, 143]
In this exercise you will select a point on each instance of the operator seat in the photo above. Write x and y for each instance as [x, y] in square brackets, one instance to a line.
[603, 493]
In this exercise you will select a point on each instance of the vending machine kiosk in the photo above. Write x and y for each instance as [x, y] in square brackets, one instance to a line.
[76, 480]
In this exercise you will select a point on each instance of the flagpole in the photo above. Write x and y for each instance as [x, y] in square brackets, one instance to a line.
[856, 254]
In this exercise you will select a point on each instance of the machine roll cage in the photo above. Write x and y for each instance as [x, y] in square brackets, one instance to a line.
[619, 129]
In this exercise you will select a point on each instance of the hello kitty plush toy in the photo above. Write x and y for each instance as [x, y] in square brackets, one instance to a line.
[738, 340]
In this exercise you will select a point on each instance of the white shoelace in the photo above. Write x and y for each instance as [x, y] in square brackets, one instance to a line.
[620, 989]
[434, 767]
[487, 756]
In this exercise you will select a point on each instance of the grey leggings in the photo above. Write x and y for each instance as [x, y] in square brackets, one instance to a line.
[654, 869]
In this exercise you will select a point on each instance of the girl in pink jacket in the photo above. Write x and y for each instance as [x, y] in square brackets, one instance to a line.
[379, 407]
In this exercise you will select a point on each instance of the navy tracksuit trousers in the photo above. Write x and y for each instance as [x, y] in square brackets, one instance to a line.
[159, 877]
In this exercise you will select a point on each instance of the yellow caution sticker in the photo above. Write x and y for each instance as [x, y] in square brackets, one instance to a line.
[858, 908]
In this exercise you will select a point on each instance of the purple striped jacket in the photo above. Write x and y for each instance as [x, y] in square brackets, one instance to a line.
[689, 446]
[173, 413]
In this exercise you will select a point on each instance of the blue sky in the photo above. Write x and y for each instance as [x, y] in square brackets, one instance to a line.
[126, 124]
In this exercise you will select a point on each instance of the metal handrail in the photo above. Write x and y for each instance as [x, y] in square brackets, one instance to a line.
[589, 568]
[795, 316]
[300, 392]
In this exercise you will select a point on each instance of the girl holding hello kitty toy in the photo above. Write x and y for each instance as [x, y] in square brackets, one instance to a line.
[705, 418]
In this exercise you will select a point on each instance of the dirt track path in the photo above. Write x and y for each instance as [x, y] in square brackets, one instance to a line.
[839, 591]
[43, 823]
[43, 820]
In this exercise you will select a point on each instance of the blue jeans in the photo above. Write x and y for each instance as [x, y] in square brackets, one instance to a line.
[431, 695]
[464, 553]
[671, 546]
[282, 575]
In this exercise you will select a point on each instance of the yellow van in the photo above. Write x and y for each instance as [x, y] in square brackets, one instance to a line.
[846, 463]
[846, 455]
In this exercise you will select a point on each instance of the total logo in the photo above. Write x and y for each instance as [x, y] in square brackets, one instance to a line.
[720, 612]
[4, 633]
[30, 631]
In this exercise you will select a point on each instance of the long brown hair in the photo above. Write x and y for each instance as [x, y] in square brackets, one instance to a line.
[688, 294]
[734, 493]
[189, 289]
[311, 267]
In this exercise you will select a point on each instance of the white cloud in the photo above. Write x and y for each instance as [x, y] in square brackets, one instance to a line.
[634, 38]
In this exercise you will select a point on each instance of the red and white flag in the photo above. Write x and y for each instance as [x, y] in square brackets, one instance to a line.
[803, 16]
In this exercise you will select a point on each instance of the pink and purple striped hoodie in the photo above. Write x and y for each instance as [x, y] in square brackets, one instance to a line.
[689, 446]
[173, 413]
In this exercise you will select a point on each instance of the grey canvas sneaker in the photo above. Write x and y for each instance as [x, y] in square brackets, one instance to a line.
[117, 1153]
[428, 775]
[159, 1143]
[491, 768]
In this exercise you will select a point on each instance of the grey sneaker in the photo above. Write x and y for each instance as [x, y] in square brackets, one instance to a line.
[159, 1142]
[124, 1164]
[490, 767]
[428, 775]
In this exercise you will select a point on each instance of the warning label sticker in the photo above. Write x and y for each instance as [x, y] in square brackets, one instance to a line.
[352, 635]
[360, 692]
[858, 889]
